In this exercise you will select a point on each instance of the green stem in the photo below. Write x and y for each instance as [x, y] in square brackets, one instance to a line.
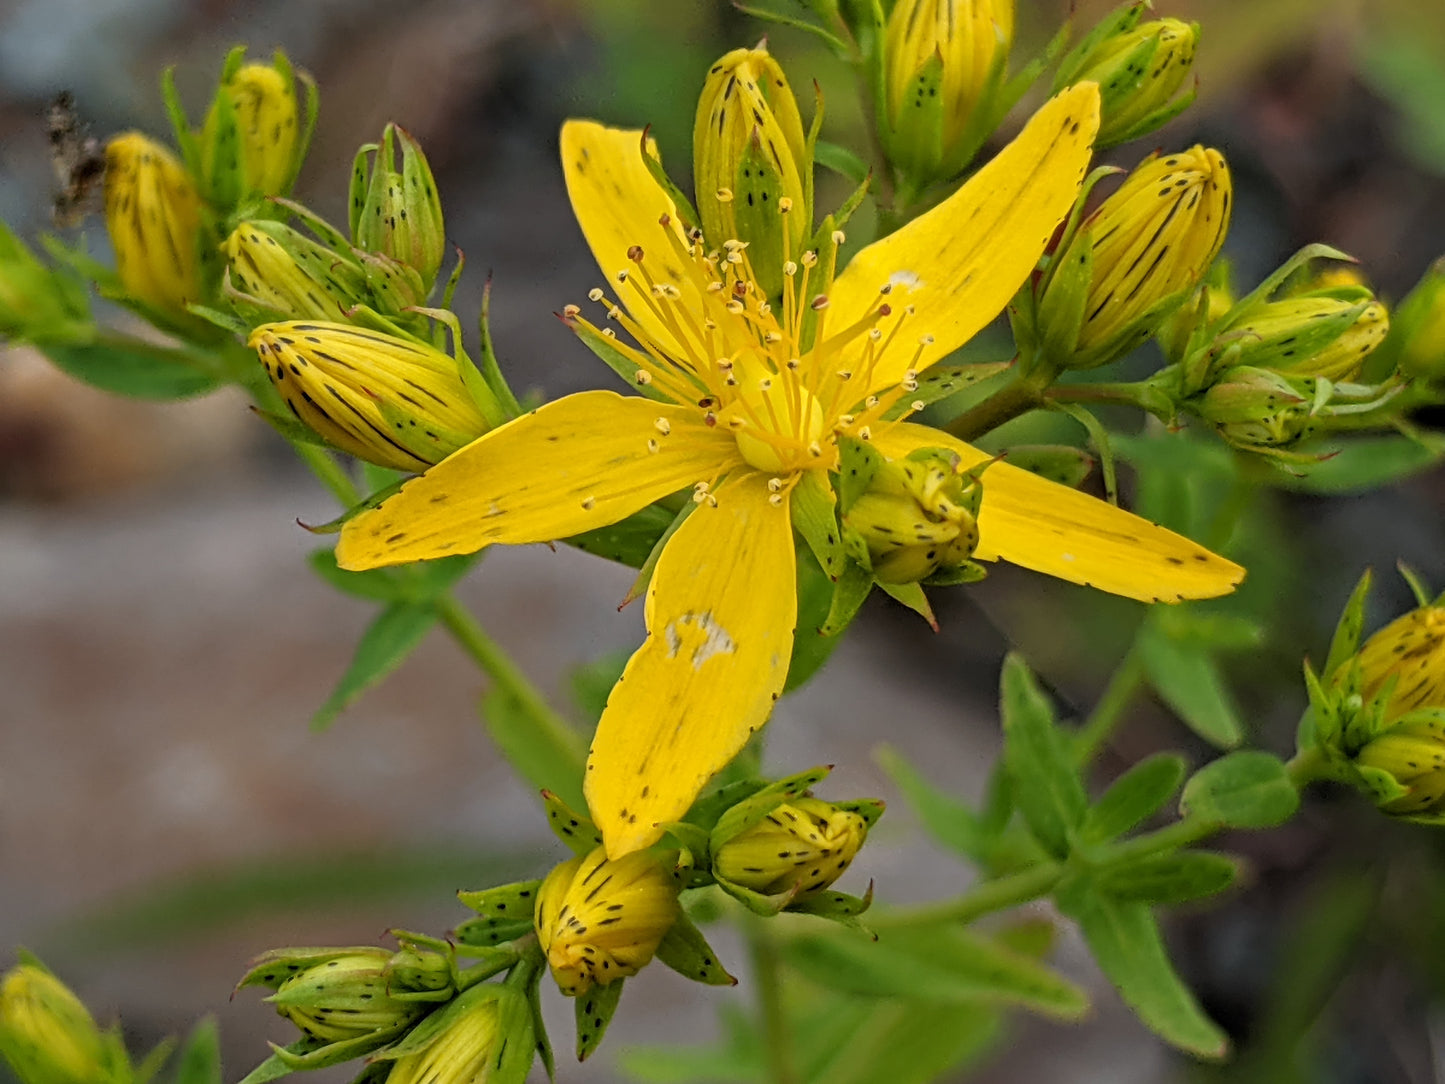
[991, 896]
[1018, 396]
[329, 473]
[1306, 767]
[551, 728]
[1172, 837]
[768, 977]
[1113, 704]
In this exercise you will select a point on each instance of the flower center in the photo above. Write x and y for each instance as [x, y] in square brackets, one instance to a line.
[780, 426]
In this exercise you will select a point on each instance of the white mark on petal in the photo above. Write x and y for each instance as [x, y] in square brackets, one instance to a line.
[905, 278]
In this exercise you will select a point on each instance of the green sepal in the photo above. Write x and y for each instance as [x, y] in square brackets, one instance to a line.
[1099, 437]
[752, 810]
[1067, 292]
[539, 1026]
[686, 951]
[911, 595]
[1038, 757]
[967, 572]
[334, 526]
[628, 541]
[841, 160]
[758, 903]
[849, 593]
[1060, 463]
[1248, 789]
[490, 367]
[222, 171]
[489, 932]
[606, 349]
[1170, 878]
[356, 190]
[199, 1060]
[1416, 583]
[227, 321]
[574, 829]
[649, 565]
[1133, 798]
[870, 809]
[836, 906]
[1155, 120]
[1346, 639]
[180, 123]
[685, 210]
[308, 1054]
[813, 506]
[840, 48]
[692, 841]
[1121, 19]
[940, 381]
[858, 462]
[504, 901]
[812, 646]
[388, 640]
[592, 1012]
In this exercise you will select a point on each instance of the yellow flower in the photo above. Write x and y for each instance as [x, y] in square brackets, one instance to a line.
[1411, 652]
[803, 846]
[745, 402]
[153, 215]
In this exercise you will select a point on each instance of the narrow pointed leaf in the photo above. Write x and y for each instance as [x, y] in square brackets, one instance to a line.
[1039, 760]
[395, 633]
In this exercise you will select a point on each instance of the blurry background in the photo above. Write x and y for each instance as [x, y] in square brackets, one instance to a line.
[165, 813]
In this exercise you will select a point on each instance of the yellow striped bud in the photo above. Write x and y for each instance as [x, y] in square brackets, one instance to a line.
[1149, 242]
[918, 517]
[251, 142]
[600, 920]
[1410, 651]
[46, 1034]
[801, 847]
[1412, 751]
[751, 163]
[1140, 69]
[1309, 336]
[943, 61]
[386, 400]
[284, 273]
[153, 215]
[485, 1036]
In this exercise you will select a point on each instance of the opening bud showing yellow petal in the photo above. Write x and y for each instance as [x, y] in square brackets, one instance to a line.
[751, 164]
[1140, 69]
[1313, 335]
[46, 1034]
[254, 138]
[917, 519]
[275, 271]
[1405, 662]
[387, 400]
[1132, 261]
[485, 1036]
[398, 213]
[1417, 338]
[600, 920]
[153, 215]
[943, 63]
[1412, 753]
[351, 995]
[801, 847]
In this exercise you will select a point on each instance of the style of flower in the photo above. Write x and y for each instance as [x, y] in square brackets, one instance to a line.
[743, 402]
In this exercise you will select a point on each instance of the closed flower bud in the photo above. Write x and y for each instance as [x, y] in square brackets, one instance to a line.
[1412, 752]
[1207, 306]
[1140, 69]
[1328, 337]
[46, 1034]
[600, 920]
[1134, 258]
[751, 163]
[153, 215]
[1418, 328]
[802, 846]
[398, 214]
[348, 996]
[943, 62]
[918, 517]
[1258, 408]
[1407, 657]
[279, 272]
[252, 141]
[485, 1036]
[387, 400]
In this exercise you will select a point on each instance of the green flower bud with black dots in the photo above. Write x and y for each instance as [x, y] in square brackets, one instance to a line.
[276, 272]
[801, 847]
[1258, 408]
[348, 996]
[47, 1035]
[256, 131]
[1141, 69]
[387, 400]
[398, 213]
[918, 518]
[485, 1036]
[751, 164]
[600, 920]
[1308, 335]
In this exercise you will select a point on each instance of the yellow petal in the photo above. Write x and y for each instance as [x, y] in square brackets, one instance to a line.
[618, 204]
[720, 617]
[961, 263]
[1050, 528]
[581, 462]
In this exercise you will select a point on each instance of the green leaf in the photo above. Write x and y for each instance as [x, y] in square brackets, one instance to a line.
[547, 753]
[136, 369]
[1133, 798]
[1039, 759]
[200, 1059]
[593, 1011]
[377, 584]
[388, 640]
[1242, 790]
[1189, 681]
[1365, 463]
[840, 160]
[866, 1041]
[1126, 944]
[947, 819]
[273, 1068]
[1346, 639]
[627, 541]
[942, 963]
[1170, 878]
[592, 683]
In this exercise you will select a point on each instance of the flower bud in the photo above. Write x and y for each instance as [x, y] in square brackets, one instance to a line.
[280, 272]
[943, 64]
[1207, 306]
[600, 920]
[153, 215]
[1419, 327]
[398, 214]
[1328, 337]
[252, 141]
[384, 399]
[46, 1034]
[751, 163]
[1134, 257]
[918, 517]
[348, 996]
[1406, 660]
[485, 1036]
[1140, 68]
[1412, 752]
[1258, 408]
[801, 847]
